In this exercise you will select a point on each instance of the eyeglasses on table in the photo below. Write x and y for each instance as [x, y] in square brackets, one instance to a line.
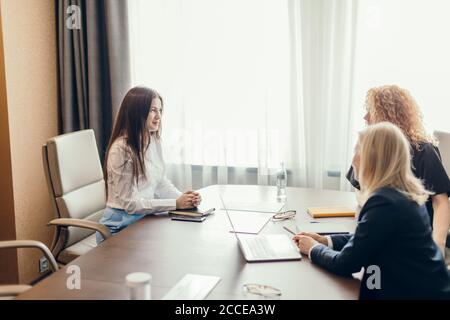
[284, 215]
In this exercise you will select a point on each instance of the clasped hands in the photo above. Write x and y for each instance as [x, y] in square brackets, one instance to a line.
[188, 200]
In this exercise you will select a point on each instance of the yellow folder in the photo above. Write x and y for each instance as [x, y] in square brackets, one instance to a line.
[331, 212]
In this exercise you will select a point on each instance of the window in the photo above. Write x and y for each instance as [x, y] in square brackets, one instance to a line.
[223, 68]
[405, 42]
[251, 83]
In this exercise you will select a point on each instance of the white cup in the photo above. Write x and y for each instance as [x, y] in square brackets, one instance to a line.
[139, 284]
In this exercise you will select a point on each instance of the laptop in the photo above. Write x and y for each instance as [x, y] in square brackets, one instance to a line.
[273, 247]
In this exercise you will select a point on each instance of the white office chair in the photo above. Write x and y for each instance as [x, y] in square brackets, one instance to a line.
[8, 292]
[77, 188]
[444, 148]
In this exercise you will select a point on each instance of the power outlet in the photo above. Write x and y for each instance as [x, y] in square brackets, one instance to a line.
[43, 265]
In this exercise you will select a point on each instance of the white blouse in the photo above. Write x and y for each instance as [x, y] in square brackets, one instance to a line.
[155, 194]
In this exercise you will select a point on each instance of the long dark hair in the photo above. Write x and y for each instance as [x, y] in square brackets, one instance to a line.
[131, 124]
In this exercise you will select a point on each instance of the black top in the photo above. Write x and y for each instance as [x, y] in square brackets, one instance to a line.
[427, 166]
[394, 234]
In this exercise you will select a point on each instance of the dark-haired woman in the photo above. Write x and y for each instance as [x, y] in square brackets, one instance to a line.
[134, 168]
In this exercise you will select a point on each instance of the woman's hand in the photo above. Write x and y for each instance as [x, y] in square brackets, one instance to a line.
[185, 201]
[321, 239]
[304, 243]
[189, 200]
[196, 197]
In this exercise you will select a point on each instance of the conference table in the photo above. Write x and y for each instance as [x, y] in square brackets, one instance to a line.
[169, 250]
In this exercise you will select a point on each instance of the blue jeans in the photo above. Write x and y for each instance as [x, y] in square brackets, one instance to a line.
[116, 220]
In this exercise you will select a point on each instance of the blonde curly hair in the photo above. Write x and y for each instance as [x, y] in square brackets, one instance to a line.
[396, 105]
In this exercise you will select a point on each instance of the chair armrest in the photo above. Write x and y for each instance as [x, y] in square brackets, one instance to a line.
[80, 223]
[31, 244]
[12, 290]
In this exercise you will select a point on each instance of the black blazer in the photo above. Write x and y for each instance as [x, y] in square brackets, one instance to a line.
[393, 233]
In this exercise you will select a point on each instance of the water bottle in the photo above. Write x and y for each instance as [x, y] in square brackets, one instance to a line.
[281, 183]
[139, 284]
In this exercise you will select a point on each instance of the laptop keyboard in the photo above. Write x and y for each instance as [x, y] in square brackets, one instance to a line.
[260, 247]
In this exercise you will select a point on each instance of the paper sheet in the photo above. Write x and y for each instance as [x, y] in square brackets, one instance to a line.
[192, 287]
[268, 207]
[248, 222]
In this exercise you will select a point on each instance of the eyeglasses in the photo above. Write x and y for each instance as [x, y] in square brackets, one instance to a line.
[262, 290]
[285, 215]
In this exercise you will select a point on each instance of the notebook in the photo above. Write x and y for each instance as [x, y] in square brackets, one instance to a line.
[196, 212]
[188, 218]
[331, 212]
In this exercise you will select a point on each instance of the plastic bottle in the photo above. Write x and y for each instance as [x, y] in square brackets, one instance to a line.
[281, 183]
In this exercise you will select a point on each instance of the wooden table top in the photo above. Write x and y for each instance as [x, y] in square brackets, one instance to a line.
[168, 250]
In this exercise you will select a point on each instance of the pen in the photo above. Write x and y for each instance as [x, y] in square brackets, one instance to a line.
[289, 230]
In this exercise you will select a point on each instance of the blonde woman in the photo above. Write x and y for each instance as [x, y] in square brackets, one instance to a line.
[393, 231]
[397, 106]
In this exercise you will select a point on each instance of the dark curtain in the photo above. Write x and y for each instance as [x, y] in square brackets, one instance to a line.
[93, 64]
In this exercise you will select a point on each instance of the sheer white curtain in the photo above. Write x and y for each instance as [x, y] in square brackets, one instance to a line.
[248, 84]
[328, 29]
